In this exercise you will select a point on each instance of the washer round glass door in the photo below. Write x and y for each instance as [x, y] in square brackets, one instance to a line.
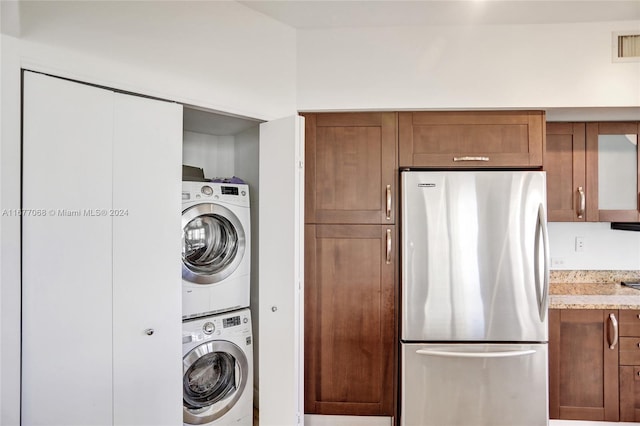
[214, 378]
[213, 243]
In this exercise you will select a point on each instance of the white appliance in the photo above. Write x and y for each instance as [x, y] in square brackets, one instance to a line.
[474, 299]
[216, 248]
[217, 367]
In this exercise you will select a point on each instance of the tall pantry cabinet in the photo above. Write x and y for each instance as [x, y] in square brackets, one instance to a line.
[101, 319]
[350, 263]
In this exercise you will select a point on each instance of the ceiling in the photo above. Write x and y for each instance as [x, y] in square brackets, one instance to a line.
[316, 14]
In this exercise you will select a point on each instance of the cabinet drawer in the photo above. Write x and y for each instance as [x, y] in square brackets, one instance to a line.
[629, 322]
[630, 351]
[471, 139]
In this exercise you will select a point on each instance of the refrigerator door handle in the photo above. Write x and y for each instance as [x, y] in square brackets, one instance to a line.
[541, 293]
[452, 354]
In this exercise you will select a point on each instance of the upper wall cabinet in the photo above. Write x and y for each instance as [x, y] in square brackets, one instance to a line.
[613, 175]
[564, 163]
[351, 159]
[471, 139]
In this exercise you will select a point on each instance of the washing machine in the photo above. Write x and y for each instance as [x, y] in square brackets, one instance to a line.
[216, 248]
[217, 367]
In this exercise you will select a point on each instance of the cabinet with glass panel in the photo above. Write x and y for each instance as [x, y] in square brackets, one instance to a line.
[603, 184]
[613, 175]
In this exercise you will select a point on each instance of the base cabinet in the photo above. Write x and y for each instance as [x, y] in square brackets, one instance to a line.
[583, 364]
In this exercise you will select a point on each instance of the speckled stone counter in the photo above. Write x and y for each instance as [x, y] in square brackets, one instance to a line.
[593, 290]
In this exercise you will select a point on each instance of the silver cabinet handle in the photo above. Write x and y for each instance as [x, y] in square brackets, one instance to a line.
[149, 331]
[450, 354]
[388, 246]
[466, 158]
[581, 203]
[614, 323]
[388, 202]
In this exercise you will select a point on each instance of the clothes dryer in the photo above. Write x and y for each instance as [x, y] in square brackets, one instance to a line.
[218, 370]
[216, 248]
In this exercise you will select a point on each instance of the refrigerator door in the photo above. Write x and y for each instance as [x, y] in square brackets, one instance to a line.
[474, 256]
[474, 384]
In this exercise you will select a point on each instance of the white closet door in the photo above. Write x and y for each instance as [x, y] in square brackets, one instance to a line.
[146, 258]
[66, 253]
[280, 273]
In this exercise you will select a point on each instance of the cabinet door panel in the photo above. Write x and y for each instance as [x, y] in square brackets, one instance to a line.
[350, 320]
[583, 368]
[630, 394]
[351, 160]
[147, 378]
[66, 253]
[625, 180]
[471, 139]
[565, 166]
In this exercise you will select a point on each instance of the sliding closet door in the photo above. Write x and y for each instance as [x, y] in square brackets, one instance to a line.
[66, 253]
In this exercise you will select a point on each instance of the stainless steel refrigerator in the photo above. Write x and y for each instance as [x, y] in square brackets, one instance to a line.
[474, 299]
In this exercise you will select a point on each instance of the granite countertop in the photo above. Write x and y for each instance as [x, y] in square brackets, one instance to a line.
[593, 290]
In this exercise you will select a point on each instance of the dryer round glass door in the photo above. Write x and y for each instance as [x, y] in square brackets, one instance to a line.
[213, 243]
[214, 378]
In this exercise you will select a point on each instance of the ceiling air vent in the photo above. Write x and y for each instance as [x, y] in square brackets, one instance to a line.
[626, 46]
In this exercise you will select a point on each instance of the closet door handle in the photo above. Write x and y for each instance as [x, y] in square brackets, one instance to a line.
[614, 323]
[581, 202]
[388, 202]
[388, 261]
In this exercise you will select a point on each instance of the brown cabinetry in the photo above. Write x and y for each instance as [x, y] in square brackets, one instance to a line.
[593, 172]
[351, 160]
[583, 364]
[350, 263]
[564, 163]
[630, 366]
[350, 319]
[613, 171]
[471, 139]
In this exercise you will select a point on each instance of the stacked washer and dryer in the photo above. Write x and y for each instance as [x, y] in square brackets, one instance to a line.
[217, 340]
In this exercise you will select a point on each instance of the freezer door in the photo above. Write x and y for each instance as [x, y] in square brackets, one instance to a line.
[474, 256]
[480, 385]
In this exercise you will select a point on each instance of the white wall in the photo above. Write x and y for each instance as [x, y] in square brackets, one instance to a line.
[439, 67]
[604, 248]
[214, 54]
[217, 55]
[214, 154]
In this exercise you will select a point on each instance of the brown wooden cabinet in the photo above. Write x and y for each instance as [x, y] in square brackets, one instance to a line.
[350, 263]
[471, 139]
[583, 368]
[623, 156]
[350, 351]
[564, 163]
[630, 366]
[351, 164]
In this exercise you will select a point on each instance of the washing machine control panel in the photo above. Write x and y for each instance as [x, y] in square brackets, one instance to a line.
[207, 328]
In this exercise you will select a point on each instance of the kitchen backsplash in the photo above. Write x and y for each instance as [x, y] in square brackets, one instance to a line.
[586, 276]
